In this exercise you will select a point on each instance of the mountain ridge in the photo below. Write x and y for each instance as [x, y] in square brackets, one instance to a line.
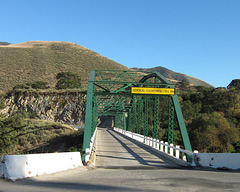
[41, 61]
[174, 76]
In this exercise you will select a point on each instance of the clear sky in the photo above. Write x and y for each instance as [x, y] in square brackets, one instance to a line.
[200, 38]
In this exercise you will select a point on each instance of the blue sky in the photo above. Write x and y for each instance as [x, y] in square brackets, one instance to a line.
[200, 38]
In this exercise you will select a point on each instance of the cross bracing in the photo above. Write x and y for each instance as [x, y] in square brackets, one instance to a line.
[134, 99]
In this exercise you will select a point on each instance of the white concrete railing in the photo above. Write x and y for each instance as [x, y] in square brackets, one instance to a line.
[15, 167]
[218, 160]
[174, 151]
[213, 160]
[88, 151]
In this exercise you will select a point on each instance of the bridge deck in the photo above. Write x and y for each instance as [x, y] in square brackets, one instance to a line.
[149, 173]
[113, 150]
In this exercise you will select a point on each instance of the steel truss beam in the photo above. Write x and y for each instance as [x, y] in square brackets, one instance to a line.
[109, 93]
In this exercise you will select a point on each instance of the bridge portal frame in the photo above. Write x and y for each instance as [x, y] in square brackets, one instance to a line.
[109, 94]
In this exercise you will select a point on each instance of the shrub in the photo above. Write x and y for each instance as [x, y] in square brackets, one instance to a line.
[21, 86]
[39, 85]
[2, 102]
[68, 80]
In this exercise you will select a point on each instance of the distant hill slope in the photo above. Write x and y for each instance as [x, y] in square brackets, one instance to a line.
[173, 76]
[42, 60]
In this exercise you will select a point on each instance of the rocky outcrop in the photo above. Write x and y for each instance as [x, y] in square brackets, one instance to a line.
[67, 107]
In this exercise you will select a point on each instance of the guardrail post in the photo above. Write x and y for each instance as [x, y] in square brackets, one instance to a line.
[177, 151]
[147, 140]
[157, 144]
[161, 146]
[171, 149]
[184, 158]
[166, 147]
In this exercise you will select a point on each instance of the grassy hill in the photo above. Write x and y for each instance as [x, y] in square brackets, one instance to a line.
[173, 76]
[42, 60]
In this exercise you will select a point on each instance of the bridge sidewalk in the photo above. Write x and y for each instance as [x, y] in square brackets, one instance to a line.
[113, 150]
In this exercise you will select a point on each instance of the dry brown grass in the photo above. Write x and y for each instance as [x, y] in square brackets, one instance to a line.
[42, 60]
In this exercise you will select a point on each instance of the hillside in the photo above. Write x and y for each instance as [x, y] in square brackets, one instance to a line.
[173, 76]
[42, 60]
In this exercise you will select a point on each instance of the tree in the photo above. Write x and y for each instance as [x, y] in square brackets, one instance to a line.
[4, 43]
[212, 133]
[68, 80]
[9, 129]
[234, 84]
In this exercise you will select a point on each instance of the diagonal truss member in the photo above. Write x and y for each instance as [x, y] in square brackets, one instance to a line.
[128, 96]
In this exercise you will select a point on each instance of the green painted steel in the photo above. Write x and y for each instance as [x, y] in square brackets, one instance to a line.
[156, 118]
[109, 94]
[134, 114]
[139, 114]
[170, 121]
[129, 120]
[119, 120]
[88, 115]
[146, 110]
[94, 113]
[124, 122]
[181, 123]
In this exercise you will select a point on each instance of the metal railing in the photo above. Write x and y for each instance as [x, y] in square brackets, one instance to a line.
[170, 149]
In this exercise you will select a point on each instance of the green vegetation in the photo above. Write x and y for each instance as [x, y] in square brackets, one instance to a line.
[19, 134]
[4, 43]
[212, 117]
[21, 86]
[212, 133]
[68, 80]
[39, 85]
[41, 61]
[34, 85]
[2, 102]
[234, 84]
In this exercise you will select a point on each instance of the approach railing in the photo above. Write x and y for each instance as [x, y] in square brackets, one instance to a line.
[170, 149]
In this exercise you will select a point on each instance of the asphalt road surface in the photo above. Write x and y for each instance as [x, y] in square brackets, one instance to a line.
[120, 165]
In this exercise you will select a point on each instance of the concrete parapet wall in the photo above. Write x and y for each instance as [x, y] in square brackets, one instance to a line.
[15, 167]
[218, 160]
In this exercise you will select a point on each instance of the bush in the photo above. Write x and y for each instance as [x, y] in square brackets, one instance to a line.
[21, 86]
[39, 85]
[68, 80]
[34, 85]
[2, 102]
[9, 129]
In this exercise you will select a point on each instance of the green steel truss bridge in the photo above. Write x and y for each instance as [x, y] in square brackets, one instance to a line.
[137, 101]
